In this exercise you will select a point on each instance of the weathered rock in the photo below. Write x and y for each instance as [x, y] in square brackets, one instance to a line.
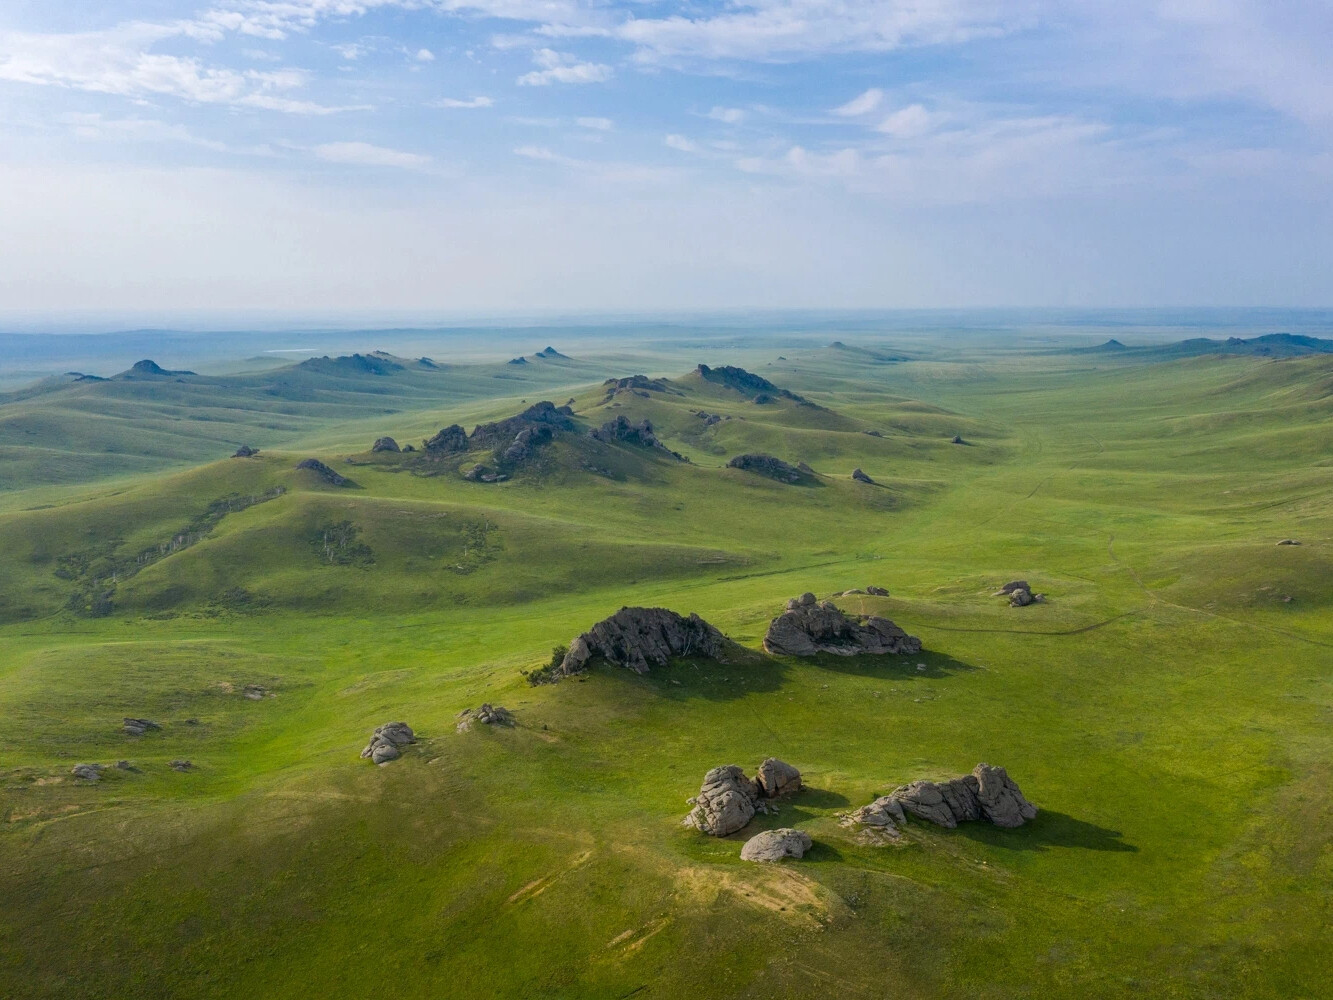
[181, 765]
[502, 433]
[766, 465]
[137, 727]
[386, 740]
[245, 451]
[124, 765]
[747, 382]
[877, 591]
[726, 802]
[861, 477]
[1013, 585]
[987, 793]
[774, 845]
[622, 430]
[777, 777]
[958, 439]
[1289, 541]
[808, 627]
[254, 692]
[448, 440]
[1020, 598]
[88, 772]
[637, 637]
[324, 472]
[487, 715]
[385, 444]
[1000, 798]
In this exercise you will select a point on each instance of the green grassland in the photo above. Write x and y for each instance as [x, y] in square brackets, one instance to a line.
[1168, 708]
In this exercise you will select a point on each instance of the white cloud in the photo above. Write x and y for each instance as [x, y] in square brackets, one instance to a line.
[350, 51]
[424, 55]
[731, 116]
[561, 67]
[597, 124]
[681, 143]
[366, 155]
[907, 123]
[458, 102]
[862, 104]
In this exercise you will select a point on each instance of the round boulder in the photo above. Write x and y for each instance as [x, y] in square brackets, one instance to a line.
[774, 845]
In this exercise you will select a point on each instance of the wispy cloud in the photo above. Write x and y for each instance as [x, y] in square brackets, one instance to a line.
[728, 116]
[462, 102]
[681, 143]
[596, 124]
[862, 104]
[366, 155]
[561, 67]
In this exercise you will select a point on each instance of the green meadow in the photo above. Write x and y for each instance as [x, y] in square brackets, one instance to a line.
[1169, 708]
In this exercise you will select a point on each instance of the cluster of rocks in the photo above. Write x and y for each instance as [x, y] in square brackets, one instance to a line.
[639, 385]
[386, 742]
[710, 419]
[245, 451]
[447, 440]
[487, 715]
[324, 472]
[767, 465]
[1019, 593]
[181, 765]
[987, 793]
[758, 388]
[481, 474]
[137, 727]
[809, 626]
[92, 773]
[634, 638]
[622, 430]
[728, 800]
[871, 590]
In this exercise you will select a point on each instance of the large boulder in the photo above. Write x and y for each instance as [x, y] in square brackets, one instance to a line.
[387, 741]
[777, 777]
[774, 845]
[385, 444]
[725, 803]
[88, 772]
[987, 793]
[808, 627]
[637, 637]
[450, 439]
[137, 727]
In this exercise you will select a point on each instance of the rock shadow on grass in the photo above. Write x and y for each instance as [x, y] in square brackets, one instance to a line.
[743, 672]
[892, 667]
[1049, 829]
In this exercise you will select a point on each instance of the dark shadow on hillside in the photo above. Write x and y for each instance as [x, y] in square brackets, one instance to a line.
[1049, 829]
[891, 667]
[743, 672]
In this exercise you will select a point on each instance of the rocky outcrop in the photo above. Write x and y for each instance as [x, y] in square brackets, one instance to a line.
[774, 845]
[385, 444]
[449, 440]
[387, 741]
[245, 451]
[747, 383]
[767, 465]
[181, 765]
[487, 715]
[808, 627]
[728, 800]
[1019, 593]
[987, 793]
[137, 727]
[88, 772]
[480, 474]
[777, 778]
[1289, 541]
[861, 477]
[958, 439]
[709, 419]
[622, 430]
[634, 638]
[641, 383]
[725, 803]
[877, 592]
[324, 472]
[515, 439]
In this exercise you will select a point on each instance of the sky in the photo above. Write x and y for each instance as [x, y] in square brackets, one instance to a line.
[451, 157]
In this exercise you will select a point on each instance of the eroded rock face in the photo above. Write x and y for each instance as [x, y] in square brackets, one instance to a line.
[877, 591]
[245, 451]
[774, 845]
[777, 777]
[386, 742]
[725, 803]
[987, 793]
[637, 637]
[808, 627]
[137, 727]
[748, 383]
[767, 465]
[324, 472]
[450, 439]
[487, 715]
[385, 444]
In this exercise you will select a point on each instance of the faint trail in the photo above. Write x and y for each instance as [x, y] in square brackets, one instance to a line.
[1024, 631]
[1110, 549]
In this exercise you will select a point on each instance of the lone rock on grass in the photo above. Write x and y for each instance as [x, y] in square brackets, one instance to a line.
[774, 845]
[635, 638]
[487, 715]
[987, 793]
[386, 741]
[728, 800]
[808, 627]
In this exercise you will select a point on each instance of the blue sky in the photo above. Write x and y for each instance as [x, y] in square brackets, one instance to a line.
[317, 156]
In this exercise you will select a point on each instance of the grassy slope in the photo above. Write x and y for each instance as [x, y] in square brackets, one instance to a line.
[1167, 709]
